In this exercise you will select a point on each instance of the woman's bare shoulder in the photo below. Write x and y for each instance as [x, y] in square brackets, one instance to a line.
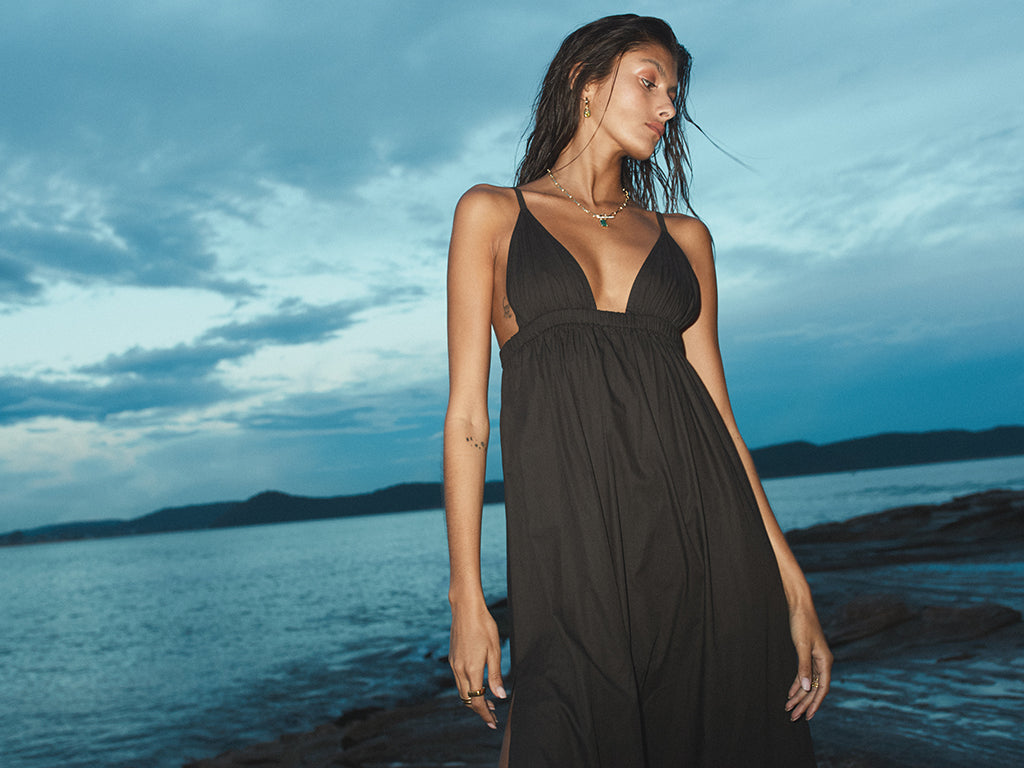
[693, 237]
[484, 219]
[487, 205]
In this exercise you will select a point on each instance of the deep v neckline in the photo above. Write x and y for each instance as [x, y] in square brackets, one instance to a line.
[583, 274]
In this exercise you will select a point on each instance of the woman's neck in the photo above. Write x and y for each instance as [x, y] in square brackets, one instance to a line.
[593, 178]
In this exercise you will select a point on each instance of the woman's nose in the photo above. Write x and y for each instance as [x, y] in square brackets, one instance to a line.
[668, 110]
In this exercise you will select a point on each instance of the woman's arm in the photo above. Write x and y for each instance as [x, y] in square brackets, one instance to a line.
[474, 636]
[702, 350]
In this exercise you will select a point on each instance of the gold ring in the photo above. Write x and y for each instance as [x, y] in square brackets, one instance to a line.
[477, 692]
[467, 702]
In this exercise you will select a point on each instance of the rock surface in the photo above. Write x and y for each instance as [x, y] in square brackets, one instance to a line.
[982, 524]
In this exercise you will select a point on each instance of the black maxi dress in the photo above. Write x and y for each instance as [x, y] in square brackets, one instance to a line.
[649, 625]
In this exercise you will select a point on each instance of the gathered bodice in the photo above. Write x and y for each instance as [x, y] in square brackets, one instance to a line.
[547, 287]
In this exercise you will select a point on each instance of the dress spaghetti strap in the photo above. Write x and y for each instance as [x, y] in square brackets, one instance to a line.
[519, 196]
[661, 221]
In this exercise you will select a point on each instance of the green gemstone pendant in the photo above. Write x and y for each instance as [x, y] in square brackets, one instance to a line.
[604, 222]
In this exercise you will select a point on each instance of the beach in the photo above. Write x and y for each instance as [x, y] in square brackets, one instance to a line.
[922, 606]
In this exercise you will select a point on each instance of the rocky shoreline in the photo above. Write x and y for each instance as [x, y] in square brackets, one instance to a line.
[922, 606]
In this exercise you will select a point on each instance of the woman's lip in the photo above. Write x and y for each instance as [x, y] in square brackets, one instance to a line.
[658, 128]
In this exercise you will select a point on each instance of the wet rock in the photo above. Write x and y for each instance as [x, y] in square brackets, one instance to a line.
[885, 625]
[864, 616]
[950, 624]
[978, 525]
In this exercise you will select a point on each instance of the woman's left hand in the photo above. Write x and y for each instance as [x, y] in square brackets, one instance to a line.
[814, 672]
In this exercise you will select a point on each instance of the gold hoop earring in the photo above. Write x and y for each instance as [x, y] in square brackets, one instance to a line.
[586, 107]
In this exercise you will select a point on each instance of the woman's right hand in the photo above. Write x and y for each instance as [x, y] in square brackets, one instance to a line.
[474, 645]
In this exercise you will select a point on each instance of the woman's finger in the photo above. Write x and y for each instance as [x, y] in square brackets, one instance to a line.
[470, 686]
[494, 681]
[806, 703]
[796, 698]
[796, 691]
[823, 679]
[461, 687]
[799, 703]
[800, 690]
[479, 703]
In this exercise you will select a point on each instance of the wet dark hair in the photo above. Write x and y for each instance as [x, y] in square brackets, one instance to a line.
[590, 54]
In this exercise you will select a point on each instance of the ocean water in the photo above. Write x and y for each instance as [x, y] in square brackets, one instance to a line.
[150, 651]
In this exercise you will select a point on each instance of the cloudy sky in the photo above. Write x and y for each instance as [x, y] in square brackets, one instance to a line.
[223, 228]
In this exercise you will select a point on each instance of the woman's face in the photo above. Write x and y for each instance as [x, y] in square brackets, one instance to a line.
[632, 105]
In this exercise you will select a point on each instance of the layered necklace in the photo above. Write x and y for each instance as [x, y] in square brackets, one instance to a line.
[602, 218]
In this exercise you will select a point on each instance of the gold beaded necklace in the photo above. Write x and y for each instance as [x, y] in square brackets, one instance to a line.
[602, 218]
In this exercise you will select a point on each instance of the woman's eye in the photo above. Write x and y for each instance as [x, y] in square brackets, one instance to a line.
[647, 83]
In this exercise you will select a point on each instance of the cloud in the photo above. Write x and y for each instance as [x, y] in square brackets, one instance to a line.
[60, 470]
[28, 399]
[183, 363]
[15, 280]
[185, 376]
[54, 228]
[354, 409]
[294, 323]
[299, 323]
[185, 94]
[309, 421]
[125, 129]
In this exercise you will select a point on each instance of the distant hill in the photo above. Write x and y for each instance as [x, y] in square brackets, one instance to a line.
[895, 449]
[785, 460]
[261, 509]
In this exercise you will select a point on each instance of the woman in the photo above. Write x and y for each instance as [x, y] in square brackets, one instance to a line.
[658, 616]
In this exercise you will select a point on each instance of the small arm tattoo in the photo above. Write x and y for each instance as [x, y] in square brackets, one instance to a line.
[505, 308]
[482, 444]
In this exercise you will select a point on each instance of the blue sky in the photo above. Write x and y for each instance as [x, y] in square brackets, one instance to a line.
[223, 229]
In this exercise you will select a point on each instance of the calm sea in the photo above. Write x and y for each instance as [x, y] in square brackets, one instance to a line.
[152, 650]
